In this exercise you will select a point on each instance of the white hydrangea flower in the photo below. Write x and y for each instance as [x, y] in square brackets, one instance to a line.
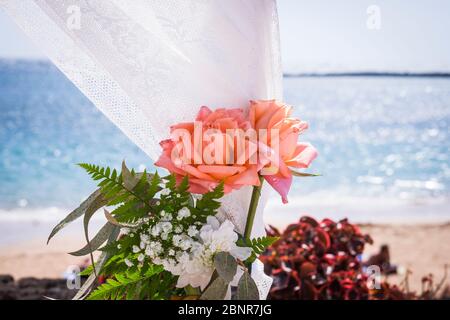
[186, 244]
[171, 265]
[214, 237]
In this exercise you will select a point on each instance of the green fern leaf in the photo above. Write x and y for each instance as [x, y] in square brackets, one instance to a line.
[258, 245]
[124, 285]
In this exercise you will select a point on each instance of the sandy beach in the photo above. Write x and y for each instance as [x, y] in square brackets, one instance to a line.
[420, 248]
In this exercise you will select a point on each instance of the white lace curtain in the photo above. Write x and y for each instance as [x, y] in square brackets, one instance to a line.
[147, 64]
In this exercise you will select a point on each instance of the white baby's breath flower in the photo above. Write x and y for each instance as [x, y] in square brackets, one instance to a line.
[136, 249]
[156, 230]
[156, 246]
[183, 213]
[150, 252]
[141, 257]
[128, 263]
[176, 239]
[178, 229]
[125, 231]
[153, 249]
[165, 191]
[192, 231]
[157, 260]
[145, 238]
[171, 252]
[165, 226]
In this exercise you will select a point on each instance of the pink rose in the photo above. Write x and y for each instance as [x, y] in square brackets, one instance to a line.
[179, 158]
[271, 114]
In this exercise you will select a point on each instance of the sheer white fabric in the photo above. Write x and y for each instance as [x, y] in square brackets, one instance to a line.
[149, 64]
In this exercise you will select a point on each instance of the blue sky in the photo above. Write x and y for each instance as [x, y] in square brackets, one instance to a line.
[327, 35]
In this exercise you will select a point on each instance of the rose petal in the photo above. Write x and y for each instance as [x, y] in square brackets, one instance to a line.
[304, 154]
[281, 184]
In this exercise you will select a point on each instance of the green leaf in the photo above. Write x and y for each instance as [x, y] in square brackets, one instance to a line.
[124, 286]
[154, 181]
[90, 211]
[129, 180]
[111, 184]
[226, 266]
[247, 289]
[97, 241]
[95, 199]
[111, 219]
[184, 185]
[86, 272]
[304, 174]
[258, 245]
[104, 257]
[217, 290]
[209, 203]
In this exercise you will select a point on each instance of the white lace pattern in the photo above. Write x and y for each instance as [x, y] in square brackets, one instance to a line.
[150, 64]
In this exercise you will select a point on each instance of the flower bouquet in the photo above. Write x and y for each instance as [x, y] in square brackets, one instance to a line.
[164, 237]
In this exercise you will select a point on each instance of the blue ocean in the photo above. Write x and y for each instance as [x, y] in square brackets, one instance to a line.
[383, 142]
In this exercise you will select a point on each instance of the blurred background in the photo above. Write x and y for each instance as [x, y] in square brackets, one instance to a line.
[372, 78]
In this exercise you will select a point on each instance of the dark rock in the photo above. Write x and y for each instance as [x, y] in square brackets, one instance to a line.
[8, 292]
[28, 282]
[54, 283]
[34, 289]
[6, 279]
[31, 293]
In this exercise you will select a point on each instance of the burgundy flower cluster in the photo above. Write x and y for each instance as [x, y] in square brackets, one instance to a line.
[315, 260]
[322, 261]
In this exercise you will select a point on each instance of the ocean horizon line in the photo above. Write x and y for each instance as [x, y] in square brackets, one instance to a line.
[315, 74]
[368, 74]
